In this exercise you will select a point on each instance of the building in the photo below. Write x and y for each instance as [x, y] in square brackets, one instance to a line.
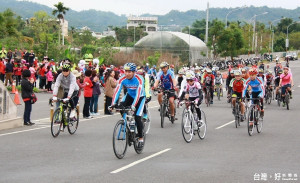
[150, 23]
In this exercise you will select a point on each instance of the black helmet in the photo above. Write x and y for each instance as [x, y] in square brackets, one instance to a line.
[26, 73]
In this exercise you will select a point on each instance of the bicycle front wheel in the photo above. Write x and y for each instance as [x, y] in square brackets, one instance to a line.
[186, 126]
[56, 123]
[203, 126]
[73, 123]
[162, 115]
[287, 101]
[120, 139]
[135, 144]
[218, 93]
[251, 127]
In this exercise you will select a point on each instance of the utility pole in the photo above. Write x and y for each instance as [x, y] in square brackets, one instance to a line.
[206, 32]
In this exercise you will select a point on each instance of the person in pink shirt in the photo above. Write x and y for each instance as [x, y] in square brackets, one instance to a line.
[286, 82]
[49, 77]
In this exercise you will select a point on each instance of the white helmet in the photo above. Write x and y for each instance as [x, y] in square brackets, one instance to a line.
[181, 71]
[189, 74]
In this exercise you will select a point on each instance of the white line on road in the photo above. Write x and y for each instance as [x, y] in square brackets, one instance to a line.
[225, 125]
[140, 161]
[24, 131]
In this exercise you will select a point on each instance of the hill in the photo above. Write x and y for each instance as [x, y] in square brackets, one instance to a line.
[99, 20]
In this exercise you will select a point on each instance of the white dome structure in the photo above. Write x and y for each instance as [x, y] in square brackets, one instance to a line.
[174, 42]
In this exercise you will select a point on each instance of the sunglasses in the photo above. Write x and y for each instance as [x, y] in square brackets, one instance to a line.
[189, 80]
[65, 70]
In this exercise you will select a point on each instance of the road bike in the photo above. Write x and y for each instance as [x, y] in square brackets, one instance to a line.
[207, 96]
[237, 112]
[254, 116]
[165, 110]
[147, 122]
[190, 122]
[61, 118]
[269, 95]
[287, 99]
[125, 133]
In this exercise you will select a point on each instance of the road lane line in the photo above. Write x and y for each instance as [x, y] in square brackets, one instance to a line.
[225, 125]
[24, 131]
[139, 161]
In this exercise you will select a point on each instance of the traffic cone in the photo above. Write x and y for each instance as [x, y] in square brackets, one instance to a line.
[16, 99]
[13, 91]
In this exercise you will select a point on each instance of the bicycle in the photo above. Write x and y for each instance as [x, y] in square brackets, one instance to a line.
[125, 133]
[219, 91]
[61, 118]
[207, 96]
[278, 96]
[287, 99]
[268, 97]
[238, 115]
[257, 118]
[190, 122]
[147, 122]
[165, 110]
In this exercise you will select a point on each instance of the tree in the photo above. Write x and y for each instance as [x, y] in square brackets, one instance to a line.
[60, 11]
[215, 32]
[231, 41]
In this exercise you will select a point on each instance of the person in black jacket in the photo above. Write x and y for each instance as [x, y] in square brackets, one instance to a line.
[27, 90]
[9, 73]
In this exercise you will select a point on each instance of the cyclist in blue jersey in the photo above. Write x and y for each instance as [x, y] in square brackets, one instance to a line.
[168, 82]
[152, 74]
[135, 96]
[257, 88]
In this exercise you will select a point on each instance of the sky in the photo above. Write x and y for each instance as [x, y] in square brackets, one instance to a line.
[161, 7]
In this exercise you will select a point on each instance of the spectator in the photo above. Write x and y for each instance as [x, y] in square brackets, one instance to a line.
[79, 81]
[18, 73]
[3, 53]
[31, 57]
[26, 56]
[27, 90]
[33, 72]
[8, 72]
[42, 76]
[88, 93]
[96, 93]
[110, 85]
[2, 70]
[9, 54]
[49, 76]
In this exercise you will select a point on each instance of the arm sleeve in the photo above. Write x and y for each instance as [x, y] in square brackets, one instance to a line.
[57, 84]
[183, 86]
[72, 85]
[147, 86]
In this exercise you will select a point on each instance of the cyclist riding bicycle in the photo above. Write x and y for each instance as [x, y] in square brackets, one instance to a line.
[245, 75]
[269, 79]
[147, 90]
[209, 80]
[237, 85]
[286, 82]
[257, 89]
[218, 80]
[276, 82]
[67, 81]
[135, 96]
[180, 77]
[192, 91]
[228, 80]
[152, 73]
[168, 82]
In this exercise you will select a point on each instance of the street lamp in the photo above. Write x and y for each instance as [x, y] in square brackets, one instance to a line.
[254, 27]
[231, 12]
[272, 33]
[287, 35]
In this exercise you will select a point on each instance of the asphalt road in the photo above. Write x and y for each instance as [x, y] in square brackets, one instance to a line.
[227, 154]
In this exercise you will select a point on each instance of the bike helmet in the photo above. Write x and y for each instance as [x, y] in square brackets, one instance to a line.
[130, 67]
[237, 73]
[164, 64]
[232, 72]
[190, 74]
[208, 70]
[66, 67]
[181, 71]
[269, 72]
[280, 71]
[252, 72]
[243, 70]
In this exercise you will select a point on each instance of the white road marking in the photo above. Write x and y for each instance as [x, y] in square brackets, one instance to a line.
[299, 86]
[23, 131]
[140, 161]
[225, 125]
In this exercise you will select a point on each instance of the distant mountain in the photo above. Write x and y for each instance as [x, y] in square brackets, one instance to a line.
[99, 20]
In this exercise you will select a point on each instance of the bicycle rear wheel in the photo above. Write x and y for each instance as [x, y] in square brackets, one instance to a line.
[120, 139]
[278, 99]
[162, 115]
[259, 125]
[218, 93]
[73, 123]
[270, 97]
[56, 122]
[250, 127]
[203, 126]
[237, 113]
[186, 126]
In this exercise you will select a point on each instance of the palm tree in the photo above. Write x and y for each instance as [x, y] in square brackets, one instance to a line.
[60, 11]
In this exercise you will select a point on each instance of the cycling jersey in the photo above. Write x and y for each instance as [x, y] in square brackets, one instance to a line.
[256, 86]
[134, 86]
[219, 80]
[209, 79]
[166, 79]
[68, 83]
[237, 85]
[152, 72]
[193, 90]
[285, 79]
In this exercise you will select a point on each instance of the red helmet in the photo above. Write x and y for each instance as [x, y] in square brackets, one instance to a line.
[252, 72]
[172, 66]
